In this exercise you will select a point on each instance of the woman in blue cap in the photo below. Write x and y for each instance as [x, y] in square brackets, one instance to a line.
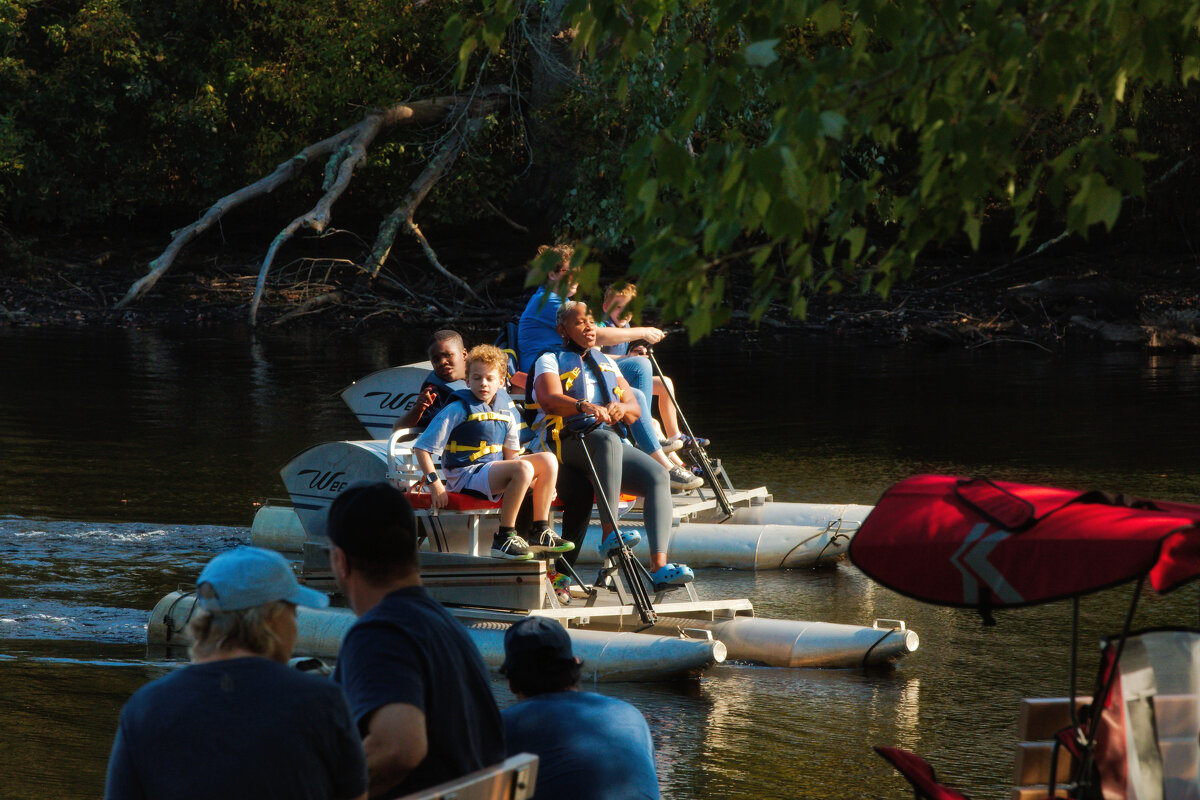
[238, 722]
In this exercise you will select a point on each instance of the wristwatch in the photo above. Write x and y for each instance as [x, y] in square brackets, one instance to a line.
[429, 478]
[579, 406]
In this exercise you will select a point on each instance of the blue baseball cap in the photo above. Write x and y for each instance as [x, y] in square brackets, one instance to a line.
[250, 576]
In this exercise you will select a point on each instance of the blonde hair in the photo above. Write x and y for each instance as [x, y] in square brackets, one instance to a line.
[247, 629]
[623, 289]
[490, 356]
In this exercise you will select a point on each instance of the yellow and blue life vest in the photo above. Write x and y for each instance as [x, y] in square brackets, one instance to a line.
[571, 366]
[480, 437]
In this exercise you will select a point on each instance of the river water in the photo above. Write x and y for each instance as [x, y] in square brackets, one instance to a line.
[130, 457]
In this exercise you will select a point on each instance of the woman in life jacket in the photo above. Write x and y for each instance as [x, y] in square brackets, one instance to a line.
[578, 389]
[538, 331]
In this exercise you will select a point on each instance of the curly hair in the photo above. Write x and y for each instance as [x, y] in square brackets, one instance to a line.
[490, 356]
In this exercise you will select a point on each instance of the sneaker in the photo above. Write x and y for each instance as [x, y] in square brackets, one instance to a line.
[514, 548]
[697, 441]
[682, 480]
[562, 586]
[629, 538]
[545, 541]
[671, 576]
[670, 445]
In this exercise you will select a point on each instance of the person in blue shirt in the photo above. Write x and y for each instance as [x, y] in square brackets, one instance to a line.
[589, 747]
[538, 333]
[238, 722]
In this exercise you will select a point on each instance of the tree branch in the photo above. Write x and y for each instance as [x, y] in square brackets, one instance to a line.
[357, 137]
[420, 188]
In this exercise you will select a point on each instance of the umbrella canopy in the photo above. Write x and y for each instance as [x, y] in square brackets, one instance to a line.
[978, 543]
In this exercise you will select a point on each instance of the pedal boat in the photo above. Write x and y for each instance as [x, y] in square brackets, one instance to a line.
[737, 529]
[618, 629]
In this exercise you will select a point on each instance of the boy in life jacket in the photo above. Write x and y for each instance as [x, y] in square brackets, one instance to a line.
[448, 355]
[477, 435]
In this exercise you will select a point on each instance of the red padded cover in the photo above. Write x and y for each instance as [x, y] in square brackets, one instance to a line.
[928, 540]
[454, 501]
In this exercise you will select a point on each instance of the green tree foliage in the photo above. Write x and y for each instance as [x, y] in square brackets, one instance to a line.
[821, 142]
[118, 106]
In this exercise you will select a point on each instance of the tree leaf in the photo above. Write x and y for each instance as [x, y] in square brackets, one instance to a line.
[827, 18]
[1103, 205]
[856, 237]
[761, 54]
[833, 124]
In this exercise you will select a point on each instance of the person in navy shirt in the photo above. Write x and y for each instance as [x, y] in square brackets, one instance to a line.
[448, 355]
[418, 688]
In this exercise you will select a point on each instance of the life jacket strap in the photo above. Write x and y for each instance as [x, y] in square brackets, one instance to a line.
[488, 416]
[477, 453]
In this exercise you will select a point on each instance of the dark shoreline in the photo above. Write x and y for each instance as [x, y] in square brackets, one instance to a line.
[1121, 300]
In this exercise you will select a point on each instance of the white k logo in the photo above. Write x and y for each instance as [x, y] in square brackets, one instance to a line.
[971, 560]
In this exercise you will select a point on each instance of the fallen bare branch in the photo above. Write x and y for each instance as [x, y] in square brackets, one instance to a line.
[282, 174]
[348, 148]
[437, 265]
[420, 188]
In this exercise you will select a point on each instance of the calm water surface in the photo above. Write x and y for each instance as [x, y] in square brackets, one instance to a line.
[130, 457]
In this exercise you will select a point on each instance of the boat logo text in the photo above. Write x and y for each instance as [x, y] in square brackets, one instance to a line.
[398, 401]
[324, 481]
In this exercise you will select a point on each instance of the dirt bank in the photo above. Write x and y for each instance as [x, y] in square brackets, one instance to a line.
[1126, 300]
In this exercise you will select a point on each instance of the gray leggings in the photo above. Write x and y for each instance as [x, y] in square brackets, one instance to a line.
[623, 468]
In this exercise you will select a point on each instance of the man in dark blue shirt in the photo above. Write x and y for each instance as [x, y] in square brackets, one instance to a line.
[589, 747]
[417, 686]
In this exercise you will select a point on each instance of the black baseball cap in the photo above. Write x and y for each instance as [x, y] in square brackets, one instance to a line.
[536, 643]
[373, 520]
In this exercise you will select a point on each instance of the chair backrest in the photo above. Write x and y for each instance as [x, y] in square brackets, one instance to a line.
[511, 779]
[402, 468]
[1147, 733]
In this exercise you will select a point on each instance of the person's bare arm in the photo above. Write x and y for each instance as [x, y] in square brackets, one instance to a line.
[607, 336]
[549, 392]
[413, 415]
[437, 489]
[395, 744]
